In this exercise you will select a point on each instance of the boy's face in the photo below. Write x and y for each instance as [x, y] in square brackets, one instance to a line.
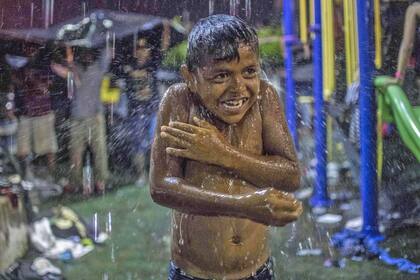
[228, 88]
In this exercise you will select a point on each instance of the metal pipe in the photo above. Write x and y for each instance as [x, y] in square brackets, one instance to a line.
[303, 21]
[368, 180]
[289, 40]
[320, 195]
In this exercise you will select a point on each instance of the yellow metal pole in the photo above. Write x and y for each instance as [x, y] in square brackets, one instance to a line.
[325, 46]
[303, 21]
[332, 48]
[311, 12]
[354, 40]
[328, 62]
[347, 40]
[328, 53]
[378, 35]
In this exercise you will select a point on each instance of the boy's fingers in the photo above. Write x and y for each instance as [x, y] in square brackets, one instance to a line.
[202, 123]
[288, 218]
[285, 205]
[177, 133]
[289, 205]
[177, 152]
[299, 209]
[286, 195]
[184, 126]
[174, 141]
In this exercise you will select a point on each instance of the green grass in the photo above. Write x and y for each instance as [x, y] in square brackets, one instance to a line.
[139, 244]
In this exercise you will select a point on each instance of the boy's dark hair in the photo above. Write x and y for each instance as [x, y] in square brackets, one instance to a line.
[217, 37]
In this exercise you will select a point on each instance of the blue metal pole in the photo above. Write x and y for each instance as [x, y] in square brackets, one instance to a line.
[289, 41]
[367, 107]
[320, 195]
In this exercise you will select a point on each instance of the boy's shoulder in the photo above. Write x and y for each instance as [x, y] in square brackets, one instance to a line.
[176, 98]
[177, 90]
[267, 89]
[268, 95]
[178, 93]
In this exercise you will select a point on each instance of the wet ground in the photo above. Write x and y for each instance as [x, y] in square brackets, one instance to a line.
[139, 244]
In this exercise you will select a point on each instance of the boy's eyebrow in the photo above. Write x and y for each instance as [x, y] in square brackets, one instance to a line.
[213, 70]
[226, 69]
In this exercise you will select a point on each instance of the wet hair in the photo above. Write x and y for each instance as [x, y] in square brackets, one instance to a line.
[217, 38]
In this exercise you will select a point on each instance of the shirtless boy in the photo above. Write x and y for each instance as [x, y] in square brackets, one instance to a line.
[223, 157]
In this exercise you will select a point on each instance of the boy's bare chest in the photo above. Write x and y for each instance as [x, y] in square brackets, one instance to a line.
[246, 135]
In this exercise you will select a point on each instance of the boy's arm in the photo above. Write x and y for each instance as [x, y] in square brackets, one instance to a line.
[170, 189]
[277, 168]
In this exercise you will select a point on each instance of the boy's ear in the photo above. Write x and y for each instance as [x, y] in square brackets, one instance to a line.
[189, 78]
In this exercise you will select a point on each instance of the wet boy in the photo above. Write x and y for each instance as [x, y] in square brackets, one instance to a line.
[222, 157]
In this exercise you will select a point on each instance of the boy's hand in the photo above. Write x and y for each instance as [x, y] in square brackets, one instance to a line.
[203, 142]
[276, 208]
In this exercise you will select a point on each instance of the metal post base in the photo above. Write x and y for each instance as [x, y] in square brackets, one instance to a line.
[318, 201]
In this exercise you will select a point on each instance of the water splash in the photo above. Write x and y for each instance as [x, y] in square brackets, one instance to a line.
[70, 84]
[84, 8]
[233, 7]
[181, 239]
[31, 22]
[109, 229]
[52, 12]
[211, 7]
[46, 8]
[95, 226]
[113, 252]
[113, 45]
[248, 9]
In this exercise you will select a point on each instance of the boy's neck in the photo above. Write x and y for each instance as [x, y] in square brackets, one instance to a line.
[207, 115]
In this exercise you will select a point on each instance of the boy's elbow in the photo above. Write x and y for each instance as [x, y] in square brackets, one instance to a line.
[156, 191]
[161, 191]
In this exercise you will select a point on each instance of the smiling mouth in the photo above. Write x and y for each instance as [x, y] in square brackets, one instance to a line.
[234, 104]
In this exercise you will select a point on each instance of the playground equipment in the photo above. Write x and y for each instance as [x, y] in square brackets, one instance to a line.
[320, 196]
[363, 54]
[289, 40]
[393, 107]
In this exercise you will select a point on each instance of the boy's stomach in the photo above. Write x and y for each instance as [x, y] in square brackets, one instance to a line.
[209, 247]
[217, 247]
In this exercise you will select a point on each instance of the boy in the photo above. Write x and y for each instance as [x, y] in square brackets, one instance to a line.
[222, 157]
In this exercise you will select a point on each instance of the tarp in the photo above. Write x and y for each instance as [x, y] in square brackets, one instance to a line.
[91, 30]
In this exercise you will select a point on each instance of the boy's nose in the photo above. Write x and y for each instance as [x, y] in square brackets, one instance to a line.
[238, 84]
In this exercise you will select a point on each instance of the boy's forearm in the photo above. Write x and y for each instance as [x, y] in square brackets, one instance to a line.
[176, 193]
[263, 171]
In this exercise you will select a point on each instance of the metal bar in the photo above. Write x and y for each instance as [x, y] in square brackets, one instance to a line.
[320, 195]
[289, 40]
[368, 180]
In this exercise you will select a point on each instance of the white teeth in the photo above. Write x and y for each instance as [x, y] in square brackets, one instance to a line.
[234, 103]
